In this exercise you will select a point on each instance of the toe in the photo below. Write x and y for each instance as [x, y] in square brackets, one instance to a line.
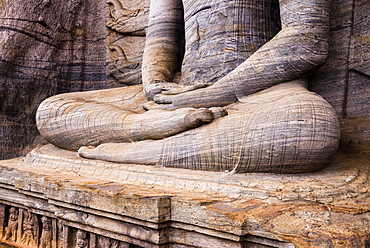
[198, 117]
[84, 151]
[218, 112]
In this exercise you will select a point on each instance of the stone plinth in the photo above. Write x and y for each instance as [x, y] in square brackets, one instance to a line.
[53, 198]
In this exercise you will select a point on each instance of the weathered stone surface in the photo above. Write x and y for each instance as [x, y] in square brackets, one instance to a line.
[100, 204]
[127, 23]
[344, 79]
[324, 186]
[358, 103]
[47, 48]
[331, 79]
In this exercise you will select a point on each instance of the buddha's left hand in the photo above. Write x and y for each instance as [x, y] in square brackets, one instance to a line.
[168, 88]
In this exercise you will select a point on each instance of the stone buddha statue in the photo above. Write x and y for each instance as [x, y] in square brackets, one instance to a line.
[224, 88]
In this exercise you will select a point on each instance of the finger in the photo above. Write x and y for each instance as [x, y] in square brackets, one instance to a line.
[169, 86]
[195, 86]
[153, 106]
[149, 105]
[160, 88]
[179, 90]
[173, 91]
[153, 89]
[163, 99]
[151, 93]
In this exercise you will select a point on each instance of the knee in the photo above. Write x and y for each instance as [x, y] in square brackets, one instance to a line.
[298, 133]
[52, 108]
[311, 134]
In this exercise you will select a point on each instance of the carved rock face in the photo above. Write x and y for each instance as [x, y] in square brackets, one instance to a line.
[81, 239]
[126, 21]
[127, 24]
[46, 223]
[13, 216]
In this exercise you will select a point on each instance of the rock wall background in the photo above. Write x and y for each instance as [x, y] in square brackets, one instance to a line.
[344, 80]
[50, 47]
[47, 47]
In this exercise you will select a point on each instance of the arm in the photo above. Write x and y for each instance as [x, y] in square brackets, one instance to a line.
[298, 48]
[164, 44]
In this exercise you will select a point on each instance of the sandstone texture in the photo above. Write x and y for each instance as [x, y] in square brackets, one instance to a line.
[53, 197]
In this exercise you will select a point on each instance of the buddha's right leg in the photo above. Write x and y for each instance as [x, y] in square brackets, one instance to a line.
[90, 118]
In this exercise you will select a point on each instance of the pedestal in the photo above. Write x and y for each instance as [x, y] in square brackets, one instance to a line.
[53, 198]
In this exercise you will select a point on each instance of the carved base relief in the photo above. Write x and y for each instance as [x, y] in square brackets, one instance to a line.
[21, 227]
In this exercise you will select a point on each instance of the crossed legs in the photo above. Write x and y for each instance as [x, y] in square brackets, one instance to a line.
[285, 129]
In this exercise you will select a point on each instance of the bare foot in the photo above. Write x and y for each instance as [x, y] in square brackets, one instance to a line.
[142, 152]
[107, 152]
[198, 117]
[218, 112]
[148, 131]
[158, 124]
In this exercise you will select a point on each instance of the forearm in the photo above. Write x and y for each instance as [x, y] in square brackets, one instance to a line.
[301, 46]
[164, 42]
[216, 95]
[298, 48]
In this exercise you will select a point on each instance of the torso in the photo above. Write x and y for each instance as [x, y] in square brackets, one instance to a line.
[222, 34]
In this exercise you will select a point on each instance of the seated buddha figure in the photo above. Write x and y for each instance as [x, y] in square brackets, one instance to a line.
[224, 88]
